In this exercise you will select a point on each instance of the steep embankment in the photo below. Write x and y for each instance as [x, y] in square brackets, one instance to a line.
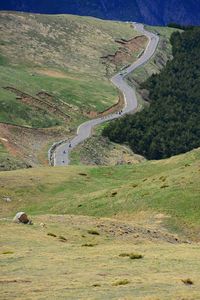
[54, 73]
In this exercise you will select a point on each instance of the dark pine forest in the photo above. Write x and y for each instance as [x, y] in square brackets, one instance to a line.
[171, 124]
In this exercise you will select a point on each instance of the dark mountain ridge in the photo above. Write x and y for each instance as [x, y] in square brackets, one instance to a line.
[154, 12]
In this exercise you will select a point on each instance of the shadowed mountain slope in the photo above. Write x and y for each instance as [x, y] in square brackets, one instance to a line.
[151, 12]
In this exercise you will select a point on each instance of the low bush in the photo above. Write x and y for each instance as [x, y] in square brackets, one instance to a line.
[93, 231]
[51, 234]
[121, 282]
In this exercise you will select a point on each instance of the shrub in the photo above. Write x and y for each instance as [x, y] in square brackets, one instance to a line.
[124, 254]
[164, 186]
[114, 194]
[135, 256]
[135, 185]
[93, 231]
[88, 245]
[96, 285]
[121, 282]
[187, 281]
[62, 238]
[51, 234]
[7, 252]
[131, 255]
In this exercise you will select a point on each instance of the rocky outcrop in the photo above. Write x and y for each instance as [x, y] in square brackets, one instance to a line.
[21, 217]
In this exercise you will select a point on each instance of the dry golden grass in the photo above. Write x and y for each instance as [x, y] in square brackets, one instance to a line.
[61, 259]
[37, 266]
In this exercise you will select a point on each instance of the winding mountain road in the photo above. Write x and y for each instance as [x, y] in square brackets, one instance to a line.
[61, 153]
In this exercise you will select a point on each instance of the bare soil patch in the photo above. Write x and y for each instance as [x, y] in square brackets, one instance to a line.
[29, 144]
[125, 52]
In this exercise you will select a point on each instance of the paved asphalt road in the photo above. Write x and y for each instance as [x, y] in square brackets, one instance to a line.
[61, 154]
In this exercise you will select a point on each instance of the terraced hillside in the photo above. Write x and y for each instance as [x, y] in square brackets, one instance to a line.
[133, 233]
[55, 70]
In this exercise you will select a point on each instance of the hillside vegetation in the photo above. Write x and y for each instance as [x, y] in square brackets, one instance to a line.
[171, 125]
[85, 244]
[59, 55]
[169, 186]
[63, 260]
[55, 73]
[106, 152]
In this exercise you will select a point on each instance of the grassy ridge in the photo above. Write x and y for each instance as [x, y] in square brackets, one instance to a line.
[168, 186]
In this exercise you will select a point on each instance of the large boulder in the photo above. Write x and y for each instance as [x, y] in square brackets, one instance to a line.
[21, 217]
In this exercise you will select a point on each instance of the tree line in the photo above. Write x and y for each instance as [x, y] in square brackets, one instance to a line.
[171, 124]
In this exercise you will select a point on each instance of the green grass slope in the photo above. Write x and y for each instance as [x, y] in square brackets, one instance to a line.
[169, 186]
[56, 61]
[60, 55]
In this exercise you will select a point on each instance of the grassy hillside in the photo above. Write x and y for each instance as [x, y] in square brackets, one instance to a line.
[124, 212]
[170, 187]
[60, 55]
[74, 264]
[53, 73]
[90, 223]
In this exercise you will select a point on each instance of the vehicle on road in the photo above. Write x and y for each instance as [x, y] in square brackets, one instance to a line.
[131, 103]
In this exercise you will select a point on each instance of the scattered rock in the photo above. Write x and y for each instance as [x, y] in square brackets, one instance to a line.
[21, 217]
[7, 199]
